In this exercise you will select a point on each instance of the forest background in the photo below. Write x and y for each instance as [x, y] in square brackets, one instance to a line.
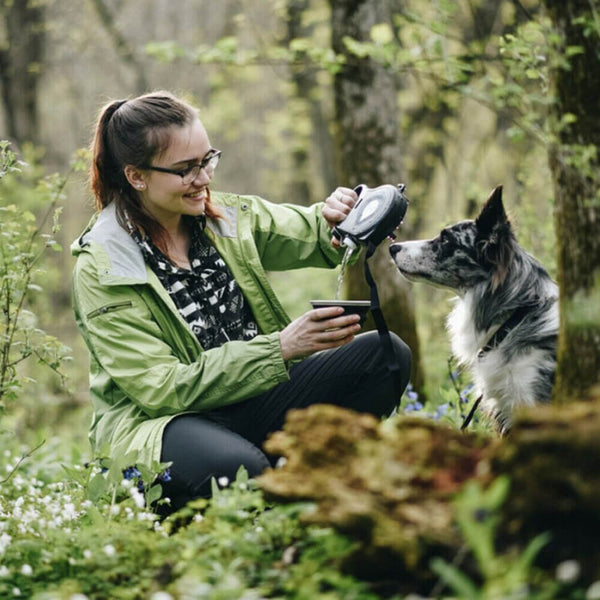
[451, 98]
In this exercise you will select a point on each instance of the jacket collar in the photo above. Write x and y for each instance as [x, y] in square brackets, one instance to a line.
[124, 261]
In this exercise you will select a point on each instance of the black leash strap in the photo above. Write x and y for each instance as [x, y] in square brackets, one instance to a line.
[471, 413]
[382, 329]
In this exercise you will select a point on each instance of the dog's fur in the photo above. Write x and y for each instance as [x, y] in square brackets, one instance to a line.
[505, 322]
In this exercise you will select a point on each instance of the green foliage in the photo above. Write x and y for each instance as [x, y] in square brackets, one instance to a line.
[504, 575]
[23, 244]
[56, 542]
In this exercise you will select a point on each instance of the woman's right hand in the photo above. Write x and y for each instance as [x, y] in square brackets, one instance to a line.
[318, 329]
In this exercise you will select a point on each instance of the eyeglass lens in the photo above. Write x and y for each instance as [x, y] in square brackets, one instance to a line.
[209, 165]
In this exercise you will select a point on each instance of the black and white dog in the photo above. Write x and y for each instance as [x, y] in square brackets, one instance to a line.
[505, 322]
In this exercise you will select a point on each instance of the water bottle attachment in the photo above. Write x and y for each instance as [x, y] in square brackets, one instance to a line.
[375, 216]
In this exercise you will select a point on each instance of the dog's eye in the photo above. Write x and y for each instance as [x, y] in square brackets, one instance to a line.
[445, 239]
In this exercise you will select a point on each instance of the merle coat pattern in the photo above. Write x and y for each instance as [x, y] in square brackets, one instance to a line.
[504, 325]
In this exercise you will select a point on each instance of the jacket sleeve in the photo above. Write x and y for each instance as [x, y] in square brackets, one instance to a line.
[289, 236]
[154, 365]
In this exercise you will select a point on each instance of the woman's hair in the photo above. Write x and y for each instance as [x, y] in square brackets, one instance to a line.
[133, 132]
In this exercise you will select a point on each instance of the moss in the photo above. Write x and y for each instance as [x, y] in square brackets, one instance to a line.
[386, 485]
[552, 458]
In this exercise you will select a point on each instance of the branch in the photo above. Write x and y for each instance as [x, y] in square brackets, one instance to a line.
[21, 460]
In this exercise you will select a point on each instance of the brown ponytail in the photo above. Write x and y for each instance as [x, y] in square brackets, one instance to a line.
[133, 132]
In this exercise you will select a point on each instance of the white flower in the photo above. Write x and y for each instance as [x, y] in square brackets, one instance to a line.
[138, 497]
[87, 554]
[127, 483]
[4, 572]
[568, 571]
[109, 550]
[78, 597]
[223, 481]
[161, 596]
[26, 570]
[16, 591]
[593, 592]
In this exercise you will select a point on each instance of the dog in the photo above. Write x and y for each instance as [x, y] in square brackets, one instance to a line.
[504, 324]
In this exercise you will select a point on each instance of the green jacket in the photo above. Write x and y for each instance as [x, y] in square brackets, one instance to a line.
[146, 365]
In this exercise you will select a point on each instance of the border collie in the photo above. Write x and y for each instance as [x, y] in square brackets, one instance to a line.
[504, 325]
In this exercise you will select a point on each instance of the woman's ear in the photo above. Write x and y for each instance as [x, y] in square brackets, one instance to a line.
[135, 177]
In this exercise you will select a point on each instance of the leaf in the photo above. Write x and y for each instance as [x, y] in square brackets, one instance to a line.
[97, 487]
[382, 34]
[460, 583]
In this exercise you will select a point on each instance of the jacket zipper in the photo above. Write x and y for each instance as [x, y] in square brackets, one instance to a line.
[109, 308]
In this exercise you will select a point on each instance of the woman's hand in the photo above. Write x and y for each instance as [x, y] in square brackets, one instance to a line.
[337, 206]
[318, 329]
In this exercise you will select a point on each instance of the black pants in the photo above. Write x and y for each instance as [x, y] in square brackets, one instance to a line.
[216, 443]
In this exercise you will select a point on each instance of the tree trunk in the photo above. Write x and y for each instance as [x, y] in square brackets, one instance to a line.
[320, 144]
[122, 45]
[369, 152]
[574, 162]
[20, 64]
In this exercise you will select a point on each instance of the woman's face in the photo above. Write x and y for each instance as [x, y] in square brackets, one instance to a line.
[166, 197]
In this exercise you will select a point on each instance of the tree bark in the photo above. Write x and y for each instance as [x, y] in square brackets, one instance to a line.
[574, 162]
[122, 46]
[21, 66]
[366, 120]
[320, 144]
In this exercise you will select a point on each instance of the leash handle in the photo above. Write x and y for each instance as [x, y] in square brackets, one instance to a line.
[382, 329]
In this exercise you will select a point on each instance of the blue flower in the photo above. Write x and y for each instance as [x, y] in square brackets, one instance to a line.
[413, 407]
[131, 473]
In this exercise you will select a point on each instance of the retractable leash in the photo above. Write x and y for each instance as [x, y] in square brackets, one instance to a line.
[374, 217]
[382, 328]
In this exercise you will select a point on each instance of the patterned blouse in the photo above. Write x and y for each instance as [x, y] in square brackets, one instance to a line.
[207, 296]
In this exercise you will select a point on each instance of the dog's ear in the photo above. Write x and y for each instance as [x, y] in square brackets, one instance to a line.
[495, 237]
[492, 213]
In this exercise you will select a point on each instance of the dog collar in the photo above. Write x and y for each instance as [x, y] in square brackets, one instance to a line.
[511, 322]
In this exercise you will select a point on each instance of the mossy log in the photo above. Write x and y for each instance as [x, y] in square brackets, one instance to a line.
[552, 458]
[389, 485]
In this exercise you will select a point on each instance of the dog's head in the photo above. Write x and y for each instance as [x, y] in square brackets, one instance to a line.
[462, 255]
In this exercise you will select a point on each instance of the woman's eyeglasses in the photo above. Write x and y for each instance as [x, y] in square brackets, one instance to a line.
[209, 163]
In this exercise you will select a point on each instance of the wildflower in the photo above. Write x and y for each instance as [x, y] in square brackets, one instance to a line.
[138, 498]
[440, 411]
[131, 472]
[26, 570]
[127, 484]
[16, 591]
[165, 476]
[413, 407]
[161, 596]
[109, 550]
[87, 554]
[223, 481]
[4, 572]
[5, 540]
[410, 393]
[568, 571]
[593, 592]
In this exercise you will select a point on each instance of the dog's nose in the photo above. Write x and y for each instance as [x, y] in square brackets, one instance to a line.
[395, 248]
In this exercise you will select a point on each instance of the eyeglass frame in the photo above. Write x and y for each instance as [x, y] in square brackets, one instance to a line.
[199, 166]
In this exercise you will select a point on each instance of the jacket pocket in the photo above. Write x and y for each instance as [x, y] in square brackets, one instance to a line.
[108, 308]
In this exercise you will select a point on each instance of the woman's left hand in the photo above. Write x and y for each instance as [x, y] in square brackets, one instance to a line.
[337, 206]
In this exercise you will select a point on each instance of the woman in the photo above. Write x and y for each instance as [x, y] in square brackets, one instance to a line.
[193, 359]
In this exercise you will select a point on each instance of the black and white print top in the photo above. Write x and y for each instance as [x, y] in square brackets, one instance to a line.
[207, 296]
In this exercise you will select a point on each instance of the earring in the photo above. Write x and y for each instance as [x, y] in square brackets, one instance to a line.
[140, 186]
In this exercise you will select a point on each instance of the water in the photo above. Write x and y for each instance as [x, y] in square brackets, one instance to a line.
[340, 281]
